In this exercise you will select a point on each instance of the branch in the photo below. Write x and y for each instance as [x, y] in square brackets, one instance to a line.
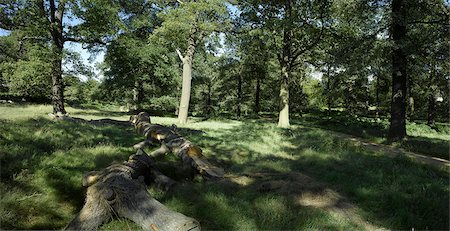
[84, 40]
[180, 55]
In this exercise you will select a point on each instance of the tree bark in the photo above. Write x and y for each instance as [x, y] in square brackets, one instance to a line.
[171, 141]
[431, 109]
[56, 31]
[187, 78]
[328, 95]
[397, 129]
[257, 95]
[120, 190]
[137, 95]
[283, 120]
[239, 95]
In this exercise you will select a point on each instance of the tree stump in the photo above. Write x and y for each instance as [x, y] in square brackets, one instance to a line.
[171, 141]
[120, 190]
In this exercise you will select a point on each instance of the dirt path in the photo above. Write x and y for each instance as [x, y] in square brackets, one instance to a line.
[392, 151]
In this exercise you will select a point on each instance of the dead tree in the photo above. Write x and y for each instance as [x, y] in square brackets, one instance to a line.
[120, 190]
[171, 141]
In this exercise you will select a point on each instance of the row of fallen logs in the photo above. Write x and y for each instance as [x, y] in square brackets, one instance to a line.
[120, 190]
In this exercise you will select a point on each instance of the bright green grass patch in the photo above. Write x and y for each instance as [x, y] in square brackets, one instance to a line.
[42, 163]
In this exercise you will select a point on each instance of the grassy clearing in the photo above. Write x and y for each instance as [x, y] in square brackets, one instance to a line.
[42, 163]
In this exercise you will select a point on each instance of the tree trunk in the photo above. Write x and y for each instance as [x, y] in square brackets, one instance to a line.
[208, 100]
[431, 110]
[56, 31]
[187, 78]
[328, 95]
[397, 130]
[283, 120]
[377, 96]
[120, 190]
[239, 96]
[257, 95]
[57, 82]
[137, 95]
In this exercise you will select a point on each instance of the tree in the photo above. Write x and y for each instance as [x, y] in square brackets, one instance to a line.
[185, 25]
[295, 28]
[44, 21]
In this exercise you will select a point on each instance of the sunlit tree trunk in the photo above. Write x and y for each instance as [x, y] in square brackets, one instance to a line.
[283, 120]
[187, 79]
[397, 129]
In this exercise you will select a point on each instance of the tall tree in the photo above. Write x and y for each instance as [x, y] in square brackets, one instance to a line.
[397, 129]
[295, 27]
[185, 26]
[44, 21]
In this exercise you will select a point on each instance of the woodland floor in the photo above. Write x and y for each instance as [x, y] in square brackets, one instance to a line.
[333, 173]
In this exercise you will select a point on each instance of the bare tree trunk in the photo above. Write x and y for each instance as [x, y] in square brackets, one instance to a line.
[283, 120]
[397, 129]
[187, 77]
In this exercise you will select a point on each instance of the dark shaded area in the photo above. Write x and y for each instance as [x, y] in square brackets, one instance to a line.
[427, 146]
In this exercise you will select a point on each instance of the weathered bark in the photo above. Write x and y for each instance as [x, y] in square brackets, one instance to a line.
[187, 77]
[171, 141]
[56, 31]
[283, 120]
[397, 129]
[120, 190]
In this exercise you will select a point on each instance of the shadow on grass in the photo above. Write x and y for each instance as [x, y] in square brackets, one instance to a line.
[49, 158]
[392, 192]
[376, 130]
[46, 158]
[427, 146]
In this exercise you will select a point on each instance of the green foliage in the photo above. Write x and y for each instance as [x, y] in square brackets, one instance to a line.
[25, 68]
[190, 18]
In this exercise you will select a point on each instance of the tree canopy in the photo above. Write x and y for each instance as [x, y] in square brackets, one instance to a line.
[252, 58]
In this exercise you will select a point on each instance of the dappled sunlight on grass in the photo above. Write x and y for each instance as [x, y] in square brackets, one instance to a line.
[42, 163]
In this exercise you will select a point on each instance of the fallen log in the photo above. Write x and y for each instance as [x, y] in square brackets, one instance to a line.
[120, 190]
[171, 141]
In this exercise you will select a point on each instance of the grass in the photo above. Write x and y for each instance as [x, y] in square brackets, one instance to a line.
[422, 139]
[42, 163]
